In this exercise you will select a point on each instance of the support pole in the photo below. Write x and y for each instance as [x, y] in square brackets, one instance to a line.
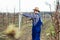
[20, 16]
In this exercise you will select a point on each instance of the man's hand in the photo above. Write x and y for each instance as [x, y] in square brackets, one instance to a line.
[20, 13]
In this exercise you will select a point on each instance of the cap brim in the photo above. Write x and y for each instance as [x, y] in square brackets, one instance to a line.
[36, 10]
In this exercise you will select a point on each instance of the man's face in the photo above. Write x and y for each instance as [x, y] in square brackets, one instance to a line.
[35, 11]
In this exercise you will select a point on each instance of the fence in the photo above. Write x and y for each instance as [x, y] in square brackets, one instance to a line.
[7, 18]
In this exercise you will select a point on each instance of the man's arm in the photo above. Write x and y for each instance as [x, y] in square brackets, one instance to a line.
[41, 18]
[29, 15]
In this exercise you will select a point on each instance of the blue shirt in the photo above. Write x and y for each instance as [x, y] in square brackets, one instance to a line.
[35, 17]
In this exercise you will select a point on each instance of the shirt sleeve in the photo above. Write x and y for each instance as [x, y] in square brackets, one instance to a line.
[29, 15]
[41, 17]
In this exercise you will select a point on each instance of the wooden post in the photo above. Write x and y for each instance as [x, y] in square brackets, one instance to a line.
[14, 16]
[56, 22]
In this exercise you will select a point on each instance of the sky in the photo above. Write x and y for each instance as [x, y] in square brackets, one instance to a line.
[26, 5]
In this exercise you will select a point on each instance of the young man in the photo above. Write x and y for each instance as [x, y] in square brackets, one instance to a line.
[36, 23]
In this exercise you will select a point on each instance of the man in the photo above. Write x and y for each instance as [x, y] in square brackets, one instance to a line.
[36, 21]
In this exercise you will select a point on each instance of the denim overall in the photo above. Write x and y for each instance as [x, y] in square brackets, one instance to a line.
[36, 27]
